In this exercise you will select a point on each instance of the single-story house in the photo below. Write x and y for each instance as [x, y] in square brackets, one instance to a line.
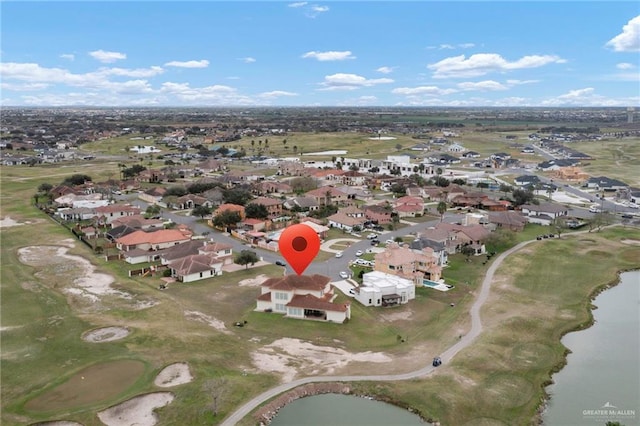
[381, 289]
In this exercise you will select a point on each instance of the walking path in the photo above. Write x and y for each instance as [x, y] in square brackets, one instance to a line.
[447, 355]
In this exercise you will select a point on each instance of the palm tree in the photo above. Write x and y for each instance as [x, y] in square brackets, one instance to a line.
[442, 209]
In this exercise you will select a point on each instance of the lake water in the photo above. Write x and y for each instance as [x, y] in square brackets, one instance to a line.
[343, 410]
[601, 381]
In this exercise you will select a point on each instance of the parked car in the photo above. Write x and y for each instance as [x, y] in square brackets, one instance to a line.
[626, 216]
[344, 275]
[339, 254]
[375, 242]
[280, 263]
[359, 253]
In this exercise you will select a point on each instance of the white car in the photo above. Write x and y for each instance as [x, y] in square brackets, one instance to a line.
[344, 275]
[339, 254]
[359, 253]
[389, 242]
[634, 205]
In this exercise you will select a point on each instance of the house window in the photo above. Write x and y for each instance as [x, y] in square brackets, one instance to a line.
[282, 296]
[369, 301]
[280, 307]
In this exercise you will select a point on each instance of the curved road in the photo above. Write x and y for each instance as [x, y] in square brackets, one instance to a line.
[447, 355]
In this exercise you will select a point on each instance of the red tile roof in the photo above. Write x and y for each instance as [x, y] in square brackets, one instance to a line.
[157, 237]
[313, 282]
[308, 301]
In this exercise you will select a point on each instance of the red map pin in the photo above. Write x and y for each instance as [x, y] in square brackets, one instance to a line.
[299, 244]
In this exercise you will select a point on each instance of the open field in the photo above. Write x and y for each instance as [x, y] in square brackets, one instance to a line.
[500, 377]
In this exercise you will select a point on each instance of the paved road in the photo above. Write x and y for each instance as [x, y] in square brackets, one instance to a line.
[446, 356]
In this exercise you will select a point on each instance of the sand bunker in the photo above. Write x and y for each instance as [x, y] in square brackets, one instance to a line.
[292, 356]
[136, 411]
[174, 375]
[253, 282]
[7, 222]
[106, 334]
[79, 272]
[210, 321]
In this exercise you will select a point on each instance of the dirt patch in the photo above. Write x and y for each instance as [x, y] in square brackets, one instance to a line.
[631, 242]
[137, 411]
[81, 281]
[253, 282]
[291, 357]
[7, 222]
[397, 316]
[90, 385]
[174, 375]
[210, 321]
[106, 334]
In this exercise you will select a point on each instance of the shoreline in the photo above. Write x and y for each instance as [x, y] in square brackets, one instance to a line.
[538, 418]
[266, 413]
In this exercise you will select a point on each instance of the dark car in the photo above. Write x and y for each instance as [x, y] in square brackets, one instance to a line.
[280, 263]
[626, 216]
[436, 361]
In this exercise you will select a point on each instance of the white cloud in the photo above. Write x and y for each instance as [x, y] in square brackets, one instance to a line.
[448, 46]
[203, 63]
[276, 94]
[107, 57]
[625, 66]
[137, 72]
[298, 4]
[483, 86]
[329, 56]
[583, 97]
[385, 70]
[248, 60]
[209, 95]
[68, 56]
[629, 39]
[422, 90]
[315, 10]
[484, 63]
[23, 87]
[343, 81]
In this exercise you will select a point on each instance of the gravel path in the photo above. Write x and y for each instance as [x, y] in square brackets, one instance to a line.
[446, 356]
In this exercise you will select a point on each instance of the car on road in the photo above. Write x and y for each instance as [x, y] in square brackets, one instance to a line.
[436, 361]
[339, 254]
[280, 263]
[389, 241]
[375, 242]
[359, 253]
[626, 216]
[344, 274]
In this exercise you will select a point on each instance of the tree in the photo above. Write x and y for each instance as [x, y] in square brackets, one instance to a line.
[467, 251]
[236, 196]
[295, 149]
[559, 224]
[398, 189]
[441, 181]
[45, 187]
[76, 179]
[303, 184]
[201, 211]
[522, 196]
[442, 209]
[482, 186]
[132, 171]
[504, 188]
[216, 389]
[398, 240]
[599, 220]
[354, 167]
[246, 257]
[398, 147]
[256, 211]
[226, 219]
[153, 210]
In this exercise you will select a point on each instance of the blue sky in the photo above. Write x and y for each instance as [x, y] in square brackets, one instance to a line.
[335, 53]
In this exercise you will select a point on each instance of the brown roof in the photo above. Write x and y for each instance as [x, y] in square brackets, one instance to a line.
[474, 232]
[194, 264]
[267, 201]
[309, 301]
[313, 282]
[112, 208]
[157, 237]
